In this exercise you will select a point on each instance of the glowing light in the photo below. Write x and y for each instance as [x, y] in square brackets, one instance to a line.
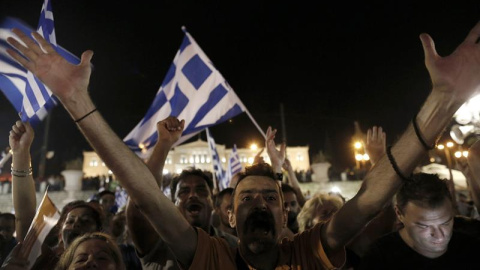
[110, 172]
[179, 171]
[366, 157]
[359, 157]
[165, 171]
[50, 154]
[458, 154]
[449, 144]
[254, 146]
[441, 146]
[358, 145]
[224, 160]
[465, 153]
[432, 159]
[335, 189]
[250, 160]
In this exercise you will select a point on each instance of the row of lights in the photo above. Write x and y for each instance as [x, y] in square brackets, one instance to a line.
[457, 154]
[358, 156]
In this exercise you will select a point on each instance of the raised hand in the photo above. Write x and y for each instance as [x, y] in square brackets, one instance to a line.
[376, 144]
[64, 79]
[277, 157]
[287, 166]
[169, 130]
[21, 137]
[258, 157]
[459, 72]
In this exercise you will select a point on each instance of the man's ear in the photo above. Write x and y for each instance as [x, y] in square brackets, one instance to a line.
[231, 219]
[399, 213]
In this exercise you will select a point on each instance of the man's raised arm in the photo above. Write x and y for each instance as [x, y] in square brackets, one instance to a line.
[143, 234]
[69, 83]
[455, 78]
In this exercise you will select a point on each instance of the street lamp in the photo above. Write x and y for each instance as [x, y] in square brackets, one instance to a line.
[357, 145]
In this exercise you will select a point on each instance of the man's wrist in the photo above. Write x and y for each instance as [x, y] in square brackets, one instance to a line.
[79, 106]
[436, 113]
[277, 168]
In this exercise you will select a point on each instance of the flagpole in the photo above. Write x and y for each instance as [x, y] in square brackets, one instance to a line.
[255, 123]
[282, 118]
[215, 184]
[43, 150]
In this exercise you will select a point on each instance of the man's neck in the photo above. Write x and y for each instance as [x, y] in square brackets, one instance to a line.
[227, 229]
[263, 261]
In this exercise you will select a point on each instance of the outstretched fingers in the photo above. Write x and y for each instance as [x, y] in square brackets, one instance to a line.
[46, 46]
[29, 42]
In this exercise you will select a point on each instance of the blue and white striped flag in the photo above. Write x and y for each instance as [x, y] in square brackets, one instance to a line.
[31, 98]
[234, 165]
[38, 100]
[218, 170]
[194, 90]
[121, 197]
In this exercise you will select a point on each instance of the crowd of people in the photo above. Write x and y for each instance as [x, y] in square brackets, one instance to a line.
[399, 219]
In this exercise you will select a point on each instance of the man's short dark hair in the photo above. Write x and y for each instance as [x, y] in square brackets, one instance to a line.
[287, 188]
[104, 192]
[259, 169]
[219, 198]
[8, 216]
[188, 172]
[426, 190]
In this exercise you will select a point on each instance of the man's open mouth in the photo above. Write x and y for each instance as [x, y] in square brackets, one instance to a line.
[194, 208]
[260, 223]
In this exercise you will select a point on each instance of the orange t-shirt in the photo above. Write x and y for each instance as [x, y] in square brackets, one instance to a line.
[304, 252]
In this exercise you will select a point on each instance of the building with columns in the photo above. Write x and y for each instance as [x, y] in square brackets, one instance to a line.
[197, 154]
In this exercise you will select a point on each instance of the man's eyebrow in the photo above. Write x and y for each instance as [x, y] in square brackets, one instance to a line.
[263, 191]
[419, 223]
[450, 219]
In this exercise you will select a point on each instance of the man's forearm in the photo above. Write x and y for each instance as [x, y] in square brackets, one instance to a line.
[382, 182]
[296, 186]
[156, 162]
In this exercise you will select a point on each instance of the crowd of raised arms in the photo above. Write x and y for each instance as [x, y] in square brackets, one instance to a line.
[399, 219]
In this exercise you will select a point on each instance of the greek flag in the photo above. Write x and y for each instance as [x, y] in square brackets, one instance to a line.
[194, 90]
[234, 165]
[31, 98]
[217, 165]
[121, 197]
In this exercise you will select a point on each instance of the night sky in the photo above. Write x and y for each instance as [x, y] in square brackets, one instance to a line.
[329, 64]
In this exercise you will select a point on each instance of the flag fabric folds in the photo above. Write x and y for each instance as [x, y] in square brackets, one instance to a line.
[45, 219]
[121, 197]
[30, 98]
[217, 165]
[194, 90]
[38, 100]
[234, 165]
